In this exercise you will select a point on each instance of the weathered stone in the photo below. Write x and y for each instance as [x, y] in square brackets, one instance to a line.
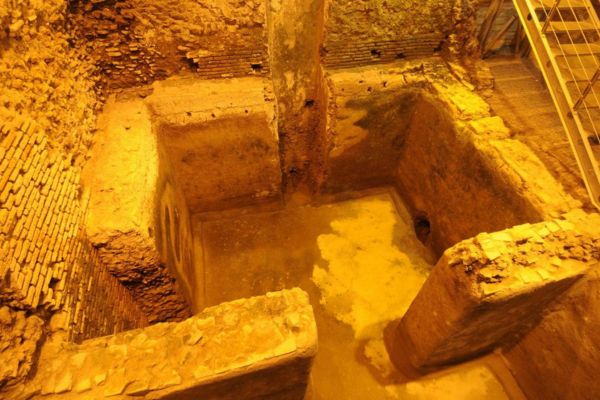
[463, 311]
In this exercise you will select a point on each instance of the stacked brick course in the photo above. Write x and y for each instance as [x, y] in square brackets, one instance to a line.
[346, 54]
[46, 259]
[135, 42]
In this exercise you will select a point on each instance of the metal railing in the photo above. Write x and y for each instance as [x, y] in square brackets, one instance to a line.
[568, 30]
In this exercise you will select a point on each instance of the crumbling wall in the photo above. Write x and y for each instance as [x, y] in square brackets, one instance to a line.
[121, 221]
[559, 358]
[257, 348]
[47, 106]
[385, 31]
[298, 84]
[419, 128]
[136, 41]
[489, 291]
[20, 335]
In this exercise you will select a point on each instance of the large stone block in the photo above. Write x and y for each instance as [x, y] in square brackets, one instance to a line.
[219, 140]
[487, 292]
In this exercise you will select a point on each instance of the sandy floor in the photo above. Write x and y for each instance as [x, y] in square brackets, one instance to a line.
[362, 264]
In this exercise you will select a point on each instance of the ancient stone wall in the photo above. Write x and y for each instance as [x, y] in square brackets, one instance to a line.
[121, 221]
[416, 126]
[559, 358]
[47, 106]
[489, 291]
[135, 42]
[257, 348]
[375, 31]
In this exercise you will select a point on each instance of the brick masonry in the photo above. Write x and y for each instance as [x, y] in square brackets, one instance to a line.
[349, 53]
[45, 260]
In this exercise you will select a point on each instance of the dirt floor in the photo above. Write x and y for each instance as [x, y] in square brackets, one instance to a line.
[361, 263]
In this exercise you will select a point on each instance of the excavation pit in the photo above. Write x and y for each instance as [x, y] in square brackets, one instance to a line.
[412, 163]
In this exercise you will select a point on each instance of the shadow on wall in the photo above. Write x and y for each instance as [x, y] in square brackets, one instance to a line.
[408, 137]
[174, 237]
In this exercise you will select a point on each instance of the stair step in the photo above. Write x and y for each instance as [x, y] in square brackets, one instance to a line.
[579, 74]
[572, 26]
[590, 119]
[546, 5]
[575, 48]
[573, 61]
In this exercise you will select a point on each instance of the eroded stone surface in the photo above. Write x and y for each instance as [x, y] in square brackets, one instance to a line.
[224, 132]
[417, 126]
[489, 291]
[271, 338]
[19, 338]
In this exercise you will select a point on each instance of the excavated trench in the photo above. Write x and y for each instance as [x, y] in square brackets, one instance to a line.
[405, 185]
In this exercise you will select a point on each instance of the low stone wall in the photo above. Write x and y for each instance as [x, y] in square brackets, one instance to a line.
[255, 348]
[123, 202]
[416, 126]
[489, 291]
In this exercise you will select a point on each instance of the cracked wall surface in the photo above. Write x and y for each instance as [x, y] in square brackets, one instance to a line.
[47, 114]
[260, 347]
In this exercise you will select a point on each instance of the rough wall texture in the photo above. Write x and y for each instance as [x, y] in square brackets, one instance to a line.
[121, 216]
[257, 348]
[136, 41]
[46, 122]
[415, 125]
[20, 335]
[384, 31]
[559, 358]
[224, 131]
[298, 84]
[488, 291]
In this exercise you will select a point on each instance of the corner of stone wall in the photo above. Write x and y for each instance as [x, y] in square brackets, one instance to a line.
[490, 291]
[261, 347]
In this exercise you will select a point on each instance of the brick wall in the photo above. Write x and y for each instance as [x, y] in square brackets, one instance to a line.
[47, 263]
[349, 53]
[135, 42]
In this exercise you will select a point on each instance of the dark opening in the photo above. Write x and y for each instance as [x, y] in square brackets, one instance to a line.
[422, 228]
[256, 66]
[375, 53]
[309, 103]
[400, 56]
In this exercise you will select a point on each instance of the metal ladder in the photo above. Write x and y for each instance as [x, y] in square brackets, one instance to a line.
[565, 39]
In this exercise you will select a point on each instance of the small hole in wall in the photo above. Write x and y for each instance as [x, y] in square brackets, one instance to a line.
[438, 48]
[422, 228]
[256, 66]
[53, 283]
[309, 103]
[375, 53]
[400, 56]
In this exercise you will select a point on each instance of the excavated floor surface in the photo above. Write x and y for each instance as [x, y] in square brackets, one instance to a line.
[361, 263]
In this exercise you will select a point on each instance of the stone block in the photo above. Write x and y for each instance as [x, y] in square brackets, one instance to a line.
[206, 356]
[488, 292]
[219, 140]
